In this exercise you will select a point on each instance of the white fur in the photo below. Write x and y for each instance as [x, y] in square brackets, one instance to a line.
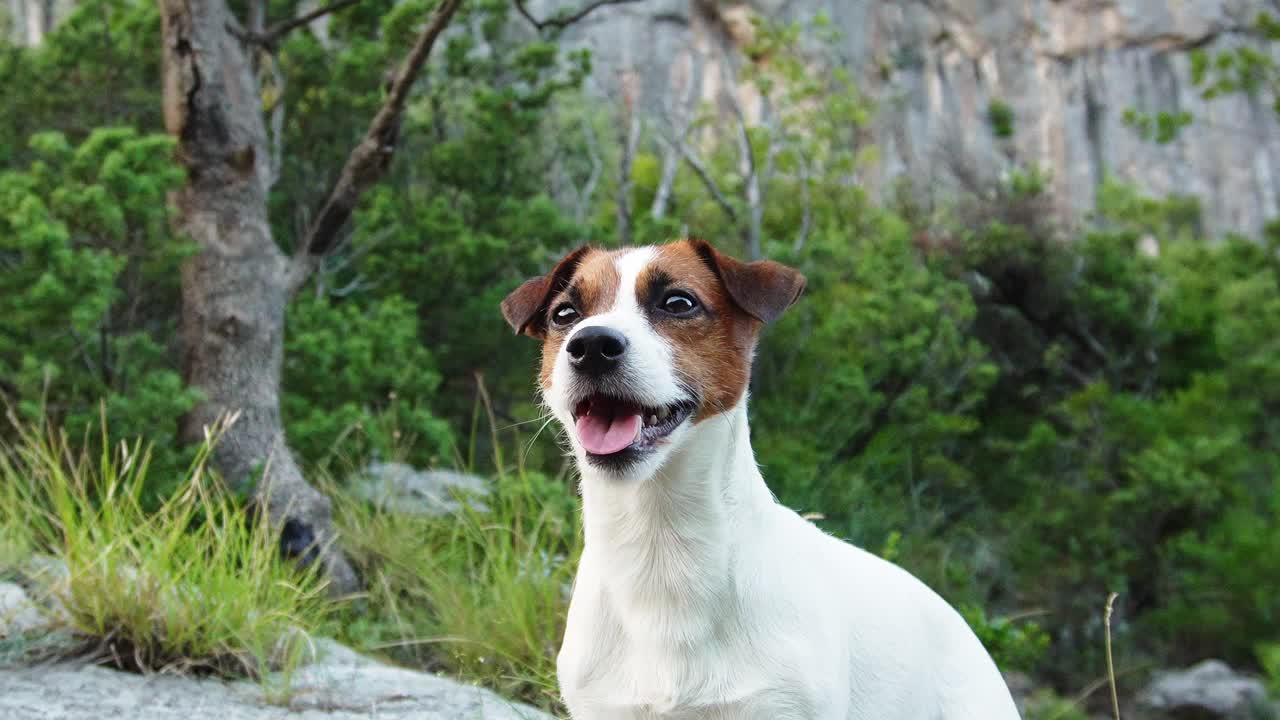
[699, 596]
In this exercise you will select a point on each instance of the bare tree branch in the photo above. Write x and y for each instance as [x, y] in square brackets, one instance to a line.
[705, 176]
[272, 35]
[275, 160]
[628, 138]
[563, 21]
[747, 163]
[597, 170]
[806, 203]
[369, 160]
[629, 135]
[679, 121]
[667, 180]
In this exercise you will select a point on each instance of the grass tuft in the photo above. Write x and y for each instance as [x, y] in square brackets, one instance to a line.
[190, 587]
[481, 596]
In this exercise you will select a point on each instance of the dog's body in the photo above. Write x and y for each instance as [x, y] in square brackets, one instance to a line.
[698, 595]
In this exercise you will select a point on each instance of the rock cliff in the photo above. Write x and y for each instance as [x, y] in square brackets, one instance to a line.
[1068, 70]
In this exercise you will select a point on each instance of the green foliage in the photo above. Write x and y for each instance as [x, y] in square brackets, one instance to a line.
[1014, 645]
[461, 221]
[1246, 69]
[1269, 656]
[1000, 118]
[92, 72]
[1163, 126]
[1243, 69]
[90, 283]
[361, 372]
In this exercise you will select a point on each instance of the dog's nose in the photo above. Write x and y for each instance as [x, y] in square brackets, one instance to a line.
[596, 350]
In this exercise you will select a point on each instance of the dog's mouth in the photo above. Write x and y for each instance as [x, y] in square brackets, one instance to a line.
[609, 426]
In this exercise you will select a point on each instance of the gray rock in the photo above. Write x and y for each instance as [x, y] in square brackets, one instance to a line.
[1209, 689]
[401, 488]
[339, 685]
[19, 614]
[1021, 686]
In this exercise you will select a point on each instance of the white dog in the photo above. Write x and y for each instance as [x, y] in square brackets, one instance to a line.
[698, 595]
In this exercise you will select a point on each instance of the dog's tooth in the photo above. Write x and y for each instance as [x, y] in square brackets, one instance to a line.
[664, 413]
[653, 419]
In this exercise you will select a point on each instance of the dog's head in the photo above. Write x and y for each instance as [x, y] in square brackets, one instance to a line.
[641, 344]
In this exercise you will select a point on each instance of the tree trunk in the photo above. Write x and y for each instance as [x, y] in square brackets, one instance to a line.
[235, 289]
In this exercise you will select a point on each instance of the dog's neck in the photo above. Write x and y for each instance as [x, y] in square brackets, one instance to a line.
[670, 541]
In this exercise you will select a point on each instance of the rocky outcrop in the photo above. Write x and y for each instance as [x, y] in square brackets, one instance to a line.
[1067, 69]
[337, 684]
[340, 685]
[1209, 689]
[399, 488]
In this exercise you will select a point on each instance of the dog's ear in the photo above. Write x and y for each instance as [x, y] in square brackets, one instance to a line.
[763, 289]
[525, 309]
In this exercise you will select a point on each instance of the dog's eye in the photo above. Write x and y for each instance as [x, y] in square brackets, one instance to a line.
[564, 314]
[679, 303]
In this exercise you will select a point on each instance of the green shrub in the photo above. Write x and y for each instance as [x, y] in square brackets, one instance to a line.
[1013, 644]
[89, 287]
[1269, 656]
[1000, 118]
[357, 375]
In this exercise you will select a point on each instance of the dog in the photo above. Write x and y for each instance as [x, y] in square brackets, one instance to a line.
[698, 595]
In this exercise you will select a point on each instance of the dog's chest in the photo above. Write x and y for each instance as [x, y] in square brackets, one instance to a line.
[725, 692]
[634, 668]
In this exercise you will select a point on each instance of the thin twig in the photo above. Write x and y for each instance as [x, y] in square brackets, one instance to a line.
[563, 21]
[705, 176]
[272, 34]
[746, 160]
[1111, 668]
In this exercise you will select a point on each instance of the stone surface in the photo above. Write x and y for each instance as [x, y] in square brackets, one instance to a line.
[1021, 686]
[400, 488]
[341, 685]
[18, 613]
[1209, 689]
[1068, 69]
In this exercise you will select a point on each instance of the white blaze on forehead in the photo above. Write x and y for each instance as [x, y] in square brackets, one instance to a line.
[630, 264]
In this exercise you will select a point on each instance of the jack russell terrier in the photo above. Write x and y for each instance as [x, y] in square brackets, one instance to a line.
[698, 595]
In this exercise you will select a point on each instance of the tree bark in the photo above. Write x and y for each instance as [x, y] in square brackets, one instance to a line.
[235, 289]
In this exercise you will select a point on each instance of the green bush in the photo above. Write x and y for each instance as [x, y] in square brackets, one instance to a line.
[1000, 117]
[89, 289]
[359, 378]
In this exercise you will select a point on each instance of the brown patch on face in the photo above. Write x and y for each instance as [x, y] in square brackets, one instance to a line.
[591, 290]
[713, 347]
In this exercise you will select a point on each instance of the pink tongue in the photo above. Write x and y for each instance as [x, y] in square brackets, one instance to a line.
[607, 435]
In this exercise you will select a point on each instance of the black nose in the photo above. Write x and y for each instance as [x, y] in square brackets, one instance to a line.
[596, 350]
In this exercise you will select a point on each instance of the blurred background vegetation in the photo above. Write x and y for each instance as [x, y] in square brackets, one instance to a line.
[1024, 410]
